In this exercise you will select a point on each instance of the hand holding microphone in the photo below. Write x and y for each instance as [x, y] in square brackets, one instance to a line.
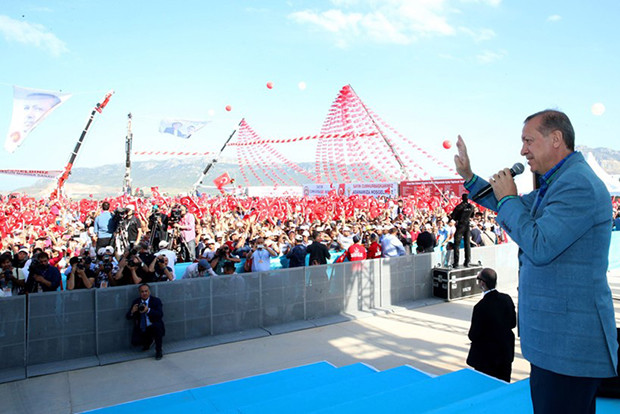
[502, 183]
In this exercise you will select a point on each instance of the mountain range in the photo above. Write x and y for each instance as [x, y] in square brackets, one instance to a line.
[175, 176]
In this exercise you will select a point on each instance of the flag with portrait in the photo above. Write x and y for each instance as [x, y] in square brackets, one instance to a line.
[181, 128]
[30, 108]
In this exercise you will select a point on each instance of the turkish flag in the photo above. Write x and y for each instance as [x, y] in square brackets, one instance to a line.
[222, 180]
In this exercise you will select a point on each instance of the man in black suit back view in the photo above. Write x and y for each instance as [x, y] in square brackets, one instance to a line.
[147, 313]
[492, 340]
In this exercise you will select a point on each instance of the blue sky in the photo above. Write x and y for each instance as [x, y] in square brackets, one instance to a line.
[431, 68]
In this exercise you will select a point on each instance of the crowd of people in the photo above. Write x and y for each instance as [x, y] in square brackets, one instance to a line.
[130, 240]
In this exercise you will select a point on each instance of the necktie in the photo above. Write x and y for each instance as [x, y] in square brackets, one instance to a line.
[143, 320]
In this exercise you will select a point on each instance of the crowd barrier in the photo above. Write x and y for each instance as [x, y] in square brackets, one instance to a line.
[59, 331]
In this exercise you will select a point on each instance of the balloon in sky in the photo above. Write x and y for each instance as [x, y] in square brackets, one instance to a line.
[301, 85]
[211, 112]
[447, 144]
[228, 108]
[269, 85]
[598, 109]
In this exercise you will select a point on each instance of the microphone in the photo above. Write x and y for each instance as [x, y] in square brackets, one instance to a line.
[516, 169]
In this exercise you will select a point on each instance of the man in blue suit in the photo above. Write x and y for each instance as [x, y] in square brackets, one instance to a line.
[563, 229]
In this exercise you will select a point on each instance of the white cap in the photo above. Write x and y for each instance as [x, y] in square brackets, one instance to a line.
[131, 207]
[305, 233]
[101, 251]
[299, 237]
[23, 249]
[163, 244]
[109, 249]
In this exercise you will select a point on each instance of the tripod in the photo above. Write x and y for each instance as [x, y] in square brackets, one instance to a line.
[178, 245]
[121, 238]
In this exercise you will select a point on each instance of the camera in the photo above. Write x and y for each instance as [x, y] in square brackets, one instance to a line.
[141, 307]
[107, 267]
[36, 268]
[175, 214]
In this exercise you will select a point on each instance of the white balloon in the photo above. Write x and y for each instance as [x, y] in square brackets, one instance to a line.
[598, 109]
[301, 85]
[211, 112]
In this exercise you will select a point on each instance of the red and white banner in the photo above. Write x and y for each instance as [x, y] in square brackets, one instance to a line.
[30, 107]
[371, 189]
[449, 187]
[33, 173]
[350, 189]
[164, 153]
[275, 191]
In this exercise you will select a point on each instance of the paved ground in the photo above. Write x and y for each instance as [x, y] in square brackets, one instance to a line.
[432, 338]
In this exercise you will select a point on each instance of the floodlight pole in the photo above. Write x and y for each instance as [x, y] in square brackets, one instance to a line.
[213, 161]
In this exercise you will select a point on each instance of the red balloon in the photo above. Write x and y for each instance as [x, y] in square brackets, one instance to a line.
[228, 108]
[447, 144]
[270, 85]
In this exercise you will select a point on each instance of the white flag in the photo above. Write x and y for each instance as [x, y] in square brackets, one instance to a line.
[30, 107]
[180, 127]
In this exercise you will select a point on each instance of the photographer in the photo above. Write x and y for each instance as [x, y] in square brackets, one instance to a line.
[106, 271]
[147, 313]
[158, 226]
[81, 276]
[221, 257]
[41, 276]
[128, 228]
[187, 229]
[261, 256]
[12, 280]
[160, 269]
[127, 269]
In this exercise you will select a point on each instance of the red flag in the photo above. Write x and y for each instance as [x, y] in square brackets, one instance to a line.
[222, 180]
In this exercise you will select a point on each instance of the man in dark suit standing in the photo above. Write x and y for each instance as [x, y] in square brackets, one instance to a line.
[461, 214]
[492, 340]
[147, 313]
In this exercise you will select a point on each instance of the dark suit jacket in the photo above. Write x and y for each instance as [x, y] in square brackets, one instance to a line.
[492, 339]
[156, 315]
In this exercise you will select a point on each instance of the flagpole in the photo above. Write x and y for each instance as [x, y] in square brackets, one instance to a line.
[65, 175]
[213, 161]
[128, 143]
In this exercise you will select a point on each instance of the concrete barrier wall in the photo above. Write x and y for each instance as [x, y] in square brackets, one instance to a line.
[68, 330]
[12, 338]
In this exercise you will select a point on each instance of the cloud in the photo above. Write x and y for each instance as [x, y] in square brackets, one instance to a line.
[478, 35]
[489, 57]
[388, 21]
[554, 18]
[31, 34]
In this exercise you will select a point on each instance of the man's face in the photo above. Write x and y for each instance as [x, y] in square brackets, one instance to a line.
[44, 261]
[6, 265]
[144, 292]
[538, 149]
[35, 109]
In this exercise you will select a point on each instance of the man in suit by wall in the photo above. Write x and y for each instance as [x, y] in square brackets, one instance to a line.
[492, 340]
[147, 313]
[563, 229]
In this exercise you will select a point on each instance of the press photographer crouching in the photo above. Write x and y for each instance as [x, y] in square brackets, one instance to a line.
[81, 275]
[159, 267]
[221, 257]
[147, 313]
[42, 277]
[106, 268]
[12, 279]
[128, 268]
